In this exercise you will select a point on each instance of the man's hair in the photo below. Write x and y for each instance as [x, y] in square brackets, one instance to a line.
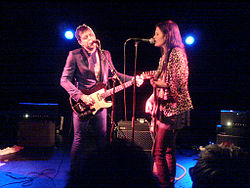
[81, 28]
[221, 166]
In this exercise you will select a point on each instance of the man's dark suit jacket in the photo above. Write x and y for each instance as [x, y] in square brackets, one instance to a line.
[79, 74]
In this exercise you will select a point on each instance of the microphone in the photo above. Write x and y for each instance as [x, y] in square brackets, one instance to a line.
[151, 40]
[96, 41]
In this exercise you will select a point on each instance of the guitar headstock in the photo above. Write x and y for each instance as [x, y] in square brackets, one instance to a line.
[148, 74]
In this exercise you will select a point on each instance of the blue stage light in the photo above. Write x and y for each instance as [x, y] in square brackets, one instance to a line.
[189, 40]
[69, 35]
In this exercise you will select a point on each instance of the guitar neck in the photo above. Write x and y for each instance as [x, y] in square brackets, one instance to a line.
[145, 75]
[117, 88]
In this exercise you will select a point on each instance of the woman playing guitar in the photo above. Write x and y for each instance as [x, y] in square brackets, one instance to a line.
[170, 102]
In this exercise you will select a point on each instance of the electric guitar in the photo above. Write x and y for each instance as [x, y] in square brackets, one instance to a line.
[99, 94]
[149, 75]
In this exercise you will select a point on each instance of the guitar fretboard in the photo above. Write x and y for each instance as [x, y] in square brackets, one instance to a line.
[117, 89]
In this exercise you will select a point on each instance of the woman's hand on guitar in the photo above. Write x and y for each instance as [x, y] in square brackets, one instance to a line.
[149, 104]
[153, 82]
[158, 83]
[87, 100]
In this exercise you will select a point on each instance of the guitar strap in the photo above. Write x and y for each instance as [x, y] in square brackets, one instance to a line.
[168, 59]
[85, 55]
[161, 63]
[159, 70]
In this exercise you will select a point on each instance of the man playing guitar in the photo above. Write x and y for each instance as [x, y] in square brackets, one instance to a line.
[84, 69]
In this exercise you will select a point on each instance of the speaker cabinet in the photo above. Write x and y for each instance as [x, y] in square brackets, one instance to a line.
[36, 133]
[142, 136]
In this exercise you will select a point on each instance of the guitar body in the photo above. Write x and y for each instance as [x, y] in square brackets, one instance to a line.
[154, 111]
[99, 101]
[83, 111]
[86, 112]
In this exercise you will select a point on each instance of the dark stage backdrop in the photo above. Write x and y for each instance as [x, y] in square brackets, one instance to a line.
[33, 51]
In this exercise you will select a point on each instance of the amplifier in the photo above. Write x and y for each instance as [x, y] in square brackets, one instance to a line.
[37, 111]
[36, 133]
[141, 124]
[234, 123]
[235, 118]
[37, 124]
[142, 136]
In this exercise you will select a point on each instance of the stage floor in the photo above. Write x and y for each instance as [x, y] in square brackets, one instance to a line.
[49, 167]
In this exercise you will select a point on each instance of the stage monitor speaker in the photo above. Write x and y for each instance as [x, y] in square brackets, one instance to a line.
[36, 133]
[234, 128]
[142, 136]
[236, 140]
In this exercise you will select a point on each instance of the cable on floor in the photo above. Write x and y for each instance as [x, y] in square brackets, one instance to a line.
[28, 181]
[184, 173]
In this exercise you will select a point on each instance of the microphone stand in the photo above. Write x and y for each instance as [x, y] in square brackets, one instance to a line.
[112, 112]
[137, 40]
[110, 65]
[113, 70]
[134, 87]
[134, 93]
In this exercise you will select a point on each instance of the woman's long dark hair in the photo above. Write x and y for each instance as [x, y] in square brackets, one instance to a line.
[171, 30]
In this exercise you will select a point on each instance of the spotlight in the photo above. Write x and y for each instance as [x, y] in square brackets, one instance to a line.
[189, 40]
[69, 35]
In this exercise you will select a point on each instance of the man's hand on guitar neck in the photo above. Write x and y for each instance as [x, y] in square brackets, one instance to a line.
[87, 99]
[139, 80]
